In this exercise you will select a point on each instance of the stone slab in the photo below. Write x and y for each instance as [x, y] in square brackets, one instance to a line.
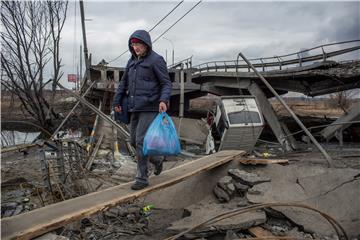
[247, 178]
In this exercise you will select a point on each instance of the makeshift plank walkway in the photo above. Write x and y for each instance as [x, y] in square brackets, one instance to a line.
[42, 220]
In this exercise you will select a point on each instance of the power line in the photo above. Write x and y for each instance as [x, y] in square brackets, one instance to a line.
[118, 56]
[166, 15]
[177, 21]
[152, 28]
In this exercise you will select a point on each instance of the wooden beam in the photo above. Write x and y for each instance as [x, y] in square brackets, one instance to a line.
[255, 161]
[17, 147]
[270, 238]
[42, 220]
[260, 232]
[94, 152]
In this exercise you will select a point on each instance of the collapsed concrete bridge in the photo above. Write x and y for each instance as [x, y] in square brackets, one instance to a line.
[312, 72]
[313, 75]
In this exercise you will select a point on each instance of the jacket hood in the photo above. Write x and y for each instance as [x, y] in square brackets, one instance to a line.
[143, 36]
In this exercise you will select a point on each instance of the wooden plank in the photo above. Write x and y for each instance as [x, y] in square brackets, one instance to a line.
[93, 154]
[255, 161]
[42, 220]
[270, 238]
[260, 232]
[17, 147]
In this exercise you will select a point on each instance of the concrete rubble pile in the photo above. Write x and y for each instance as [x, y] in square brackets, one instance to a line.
[237, 182]
[333, 191]
[116, 222]
[18, 202]
[230, 192]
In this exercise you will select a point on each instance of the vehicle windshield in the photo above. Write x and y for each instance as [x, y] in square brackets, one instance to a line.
[244, 117]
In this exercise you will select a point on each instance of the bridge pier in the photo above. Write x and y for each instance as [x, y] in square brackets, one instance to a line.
[278, 129]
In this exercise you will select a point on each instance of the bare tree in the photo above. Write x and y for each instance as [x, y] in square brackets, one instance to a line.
[343, 99]
[30, 41]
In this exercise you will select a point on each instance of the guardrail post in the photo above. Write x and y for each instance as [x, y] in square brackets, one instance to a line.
[300, 59]
[182, 92]
[324, 54]
[262, 64]
[280, 63]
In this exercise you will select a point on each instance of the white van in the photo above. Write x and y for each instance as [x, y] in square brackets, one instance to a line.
[238, 123]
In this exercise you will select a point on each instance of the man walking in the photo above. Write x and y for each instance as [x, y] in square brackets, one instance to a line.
[147, 84]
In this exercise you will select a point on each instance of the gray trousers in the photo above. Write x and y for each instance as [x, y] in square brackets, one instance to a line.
[139, 123]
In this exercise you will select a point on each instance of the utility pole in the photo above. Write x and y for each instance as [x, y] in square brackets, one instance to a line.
[172, 45]
[77, 87]
[81, 73]
[86, 55]
[166, 57]
[182, 92]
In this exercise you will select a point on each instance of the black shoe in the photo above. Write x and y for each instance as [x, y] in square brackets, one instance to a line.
[139, 186]
[158, 168]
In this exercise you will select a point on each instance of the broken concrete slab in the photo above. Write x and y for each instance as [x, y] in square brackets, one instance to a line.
[182, 194]
[121, 159]
[247, 178]
[51, 236]
[89, 184]
[103, 153]
[241, 201]
[226, 183]
[333, 191]
[241, 188]
[221, 194]
[194, 129]
[230, 189]
[126, 172]
[202, 212]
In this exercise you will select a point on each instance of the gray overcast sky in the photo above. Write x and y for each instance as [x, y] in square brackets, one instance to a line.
[214, 30]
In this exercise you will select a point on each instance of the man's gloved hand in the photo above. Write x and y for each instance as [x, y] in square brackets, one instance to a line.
[162, 107]
[117, 109]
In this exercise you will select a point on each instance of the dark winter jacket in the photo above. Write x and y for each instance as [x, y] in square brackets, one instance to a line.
[145, 80]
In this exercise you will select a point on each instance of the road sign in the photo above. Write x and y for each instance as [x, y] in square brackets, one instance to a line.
[72, 78]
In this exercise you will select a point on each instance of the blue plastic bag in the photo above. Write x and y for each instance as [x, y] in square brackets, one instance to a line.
[161, 138]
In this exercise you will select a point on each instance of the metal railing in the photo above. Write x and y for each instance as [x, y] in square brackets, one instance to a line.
[278, 62]
[186, 63]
